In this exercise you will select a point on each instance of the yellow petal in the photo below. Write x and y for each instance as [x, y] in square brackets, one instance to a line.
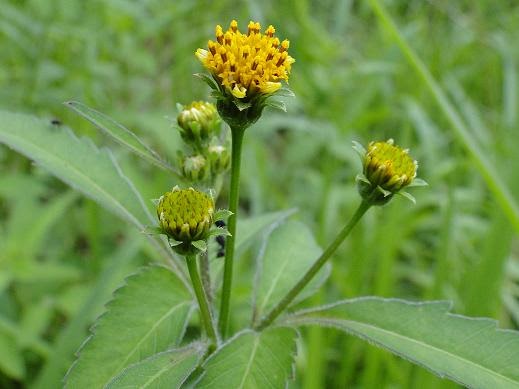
[239, 92]
[271, 87]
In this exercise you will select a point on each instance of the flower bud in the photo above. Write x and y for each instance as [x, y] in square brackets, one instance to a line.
[219, 158]
[198, 122]
[195, 168]
[386, 170]
[185, 216]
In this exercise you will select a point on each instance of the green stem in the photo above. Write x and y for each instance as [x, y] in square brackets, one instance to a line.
[495, 184]
[237, 140]
[205, 314]
[205, 275]
[318, 264]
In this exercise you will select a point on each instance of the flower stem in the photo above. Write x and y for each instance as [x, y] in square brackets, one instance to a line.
[205, 314]
[205, 275]
[318, 264]
[237, 140]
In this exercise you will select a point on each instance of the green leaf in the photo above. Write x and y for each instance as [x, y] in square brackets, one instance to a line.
[250, 228]
[470, 351]
[119, 133]
[207, 79]
[11, 358]
[148, 315]
[168, 369]
[78, 162]
[252, 360]
[69, 338]
[288, 253]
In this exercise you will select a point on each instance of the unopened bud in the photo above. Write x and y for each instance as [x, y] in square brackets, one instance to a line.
[195, 168]
[386, 170]
[219, 158]
[198, 122]
[185, 216]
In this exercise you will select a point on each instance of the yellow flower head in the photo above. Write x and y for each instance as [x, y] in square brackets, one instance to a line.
[247, 64]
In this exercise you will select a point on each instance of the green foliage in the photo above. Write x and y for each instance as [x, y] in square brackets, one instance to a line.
[76, 161]
[438, 77]
[470, 351]
[148, 315]
[252, 360]
[288, 253]
[166, 369]
[119, 133]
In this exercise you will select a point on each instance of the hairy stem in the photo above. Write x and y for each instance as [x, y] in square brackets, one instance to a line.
[205, 274]
[205, 313]
[237, 140]
[318, 264]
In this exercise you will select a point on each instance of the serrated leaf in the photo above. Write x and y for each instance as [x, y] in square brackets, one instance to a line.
[288, 252]
[168, 369]
[470, 351]
[147, 315]
[119, 133]
[252, 360]
[70, 337]
[76, 161]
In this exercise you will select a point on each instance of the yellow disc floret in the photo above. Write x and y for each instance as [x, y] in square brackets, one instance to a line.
[247, 64]
[185, 215]
[389, 166]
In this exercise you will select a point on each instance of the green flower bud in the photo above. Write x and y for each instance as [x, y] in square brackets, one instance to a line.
[195, 168]
[198, 122]
[185, 216]
[386, 170]
[219, 158]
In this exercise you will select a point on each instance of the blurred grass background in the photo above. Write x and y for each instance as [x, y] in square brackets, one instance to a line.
[61, 255]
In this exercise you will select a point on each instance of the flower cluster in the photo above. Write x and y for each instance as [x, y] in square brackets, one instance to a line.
[246, 64]
[199, 126]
